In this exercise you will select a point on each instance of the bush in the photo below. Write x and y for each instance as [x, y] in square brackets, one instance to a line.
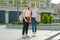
[17, 22]
[56, 21]
[50, 19]
[38, 22]
[45, 18]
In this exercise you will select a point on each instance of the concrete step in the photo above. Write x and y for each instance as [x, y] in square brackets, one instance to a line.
[55, 28]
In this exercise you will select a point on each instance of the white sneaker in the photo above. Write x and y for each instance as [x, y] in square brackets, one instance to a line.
[34, 34]
[27, 36]
[23, 37]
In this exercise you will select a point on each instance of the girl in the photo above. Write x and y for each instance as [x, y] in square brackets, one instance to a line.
[34, 19]
[26, 19]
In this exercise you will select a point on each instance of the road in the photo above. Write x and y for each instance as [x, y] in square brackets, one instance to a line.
[16, 34]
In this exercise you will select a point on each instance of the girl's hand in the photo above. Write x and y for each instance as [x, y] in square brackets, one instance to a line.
[26, 20]
[30, 21]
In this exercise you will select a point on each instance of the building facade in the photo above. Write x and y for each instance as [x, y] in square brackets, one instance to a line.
[57, 9]
[11, 9]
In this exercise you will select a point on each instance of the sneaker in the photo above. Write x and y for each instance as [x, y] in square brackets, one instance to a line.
[23, 37]
[27, 36]
[34, 36]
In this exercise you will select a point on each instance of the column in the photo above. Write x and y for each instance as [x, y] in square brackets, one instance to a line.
[6, 17]
[40, 17]
[39, 3]
[21, 1]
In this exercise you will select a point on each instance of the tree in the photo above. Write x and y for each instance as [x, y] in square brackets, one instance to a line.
[24, 2]
[45, 18]
[4, 2]
[16, 2]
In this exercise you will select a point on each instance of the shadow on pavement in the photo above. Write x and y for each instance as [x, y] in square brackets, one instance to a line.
[26, 38]
[23, 39]
[53, 36]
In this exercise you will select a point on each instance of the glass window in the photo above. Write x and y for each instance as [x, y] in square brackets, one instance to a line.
[48, 0]
[42, 6]
[32, 0]
[10, 2]
[0, 1]
[19, 2]
[48, 4]
[41, 0]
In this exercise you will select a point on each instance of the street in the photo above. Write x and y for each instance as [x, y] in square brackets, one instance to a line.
[16, 34]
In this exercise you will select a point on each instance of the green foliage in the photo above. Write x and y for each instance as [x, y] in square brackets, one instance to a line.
[17, 22]
[55, 21]
[50, 19]
[1, 21]
[25, 2]
[45, 18]
[59, 17]
[4, 2]
[22, 22]
[38, 22]
[16, 2]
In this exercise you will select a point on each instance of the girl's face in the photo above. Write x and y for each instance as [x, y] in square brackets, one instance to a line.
[33, 6]
[27, 7]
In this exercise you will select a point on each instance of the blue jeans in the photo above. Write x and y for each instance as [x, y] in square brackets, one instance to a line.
[34, 25]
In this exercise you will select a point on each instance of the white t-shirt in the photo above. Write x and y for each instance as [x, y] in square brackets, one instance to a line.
[27, 12]
[34, 12]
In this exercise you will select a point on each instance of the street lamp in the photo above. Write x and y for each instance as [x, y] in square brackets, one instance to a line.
[17, 10]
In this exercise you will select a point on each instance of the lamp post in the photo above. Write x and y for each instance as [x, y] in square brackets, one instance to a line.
[17, 10]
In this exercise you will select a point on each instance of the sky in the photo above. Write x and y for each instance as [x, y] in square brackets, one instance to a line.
[55, 1]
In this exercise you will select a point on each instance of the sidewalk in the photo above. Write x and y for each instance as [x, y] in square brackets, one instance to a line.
[15, 34]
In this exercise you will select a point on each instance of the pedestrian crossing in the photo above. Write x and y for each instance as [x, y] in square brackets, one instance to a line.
[57, 37]
[54, 37]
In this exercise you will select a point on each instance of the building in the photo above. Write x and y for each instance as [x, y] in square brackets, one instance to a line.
[45, 4]
[57, 13]
[4, 2]
[10, 9]
[45, 7]
[57, 9]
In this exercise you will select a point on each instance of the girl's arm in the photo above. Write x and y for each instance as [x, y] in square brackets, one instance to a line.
[37, 16]
[23, 14]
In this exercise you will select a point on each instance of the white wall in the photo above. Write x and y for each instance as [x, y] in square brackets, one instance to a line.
[6, 17]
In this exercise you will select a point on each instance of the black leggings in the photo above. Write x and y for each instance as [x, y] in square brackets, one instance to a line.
[25, 27]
